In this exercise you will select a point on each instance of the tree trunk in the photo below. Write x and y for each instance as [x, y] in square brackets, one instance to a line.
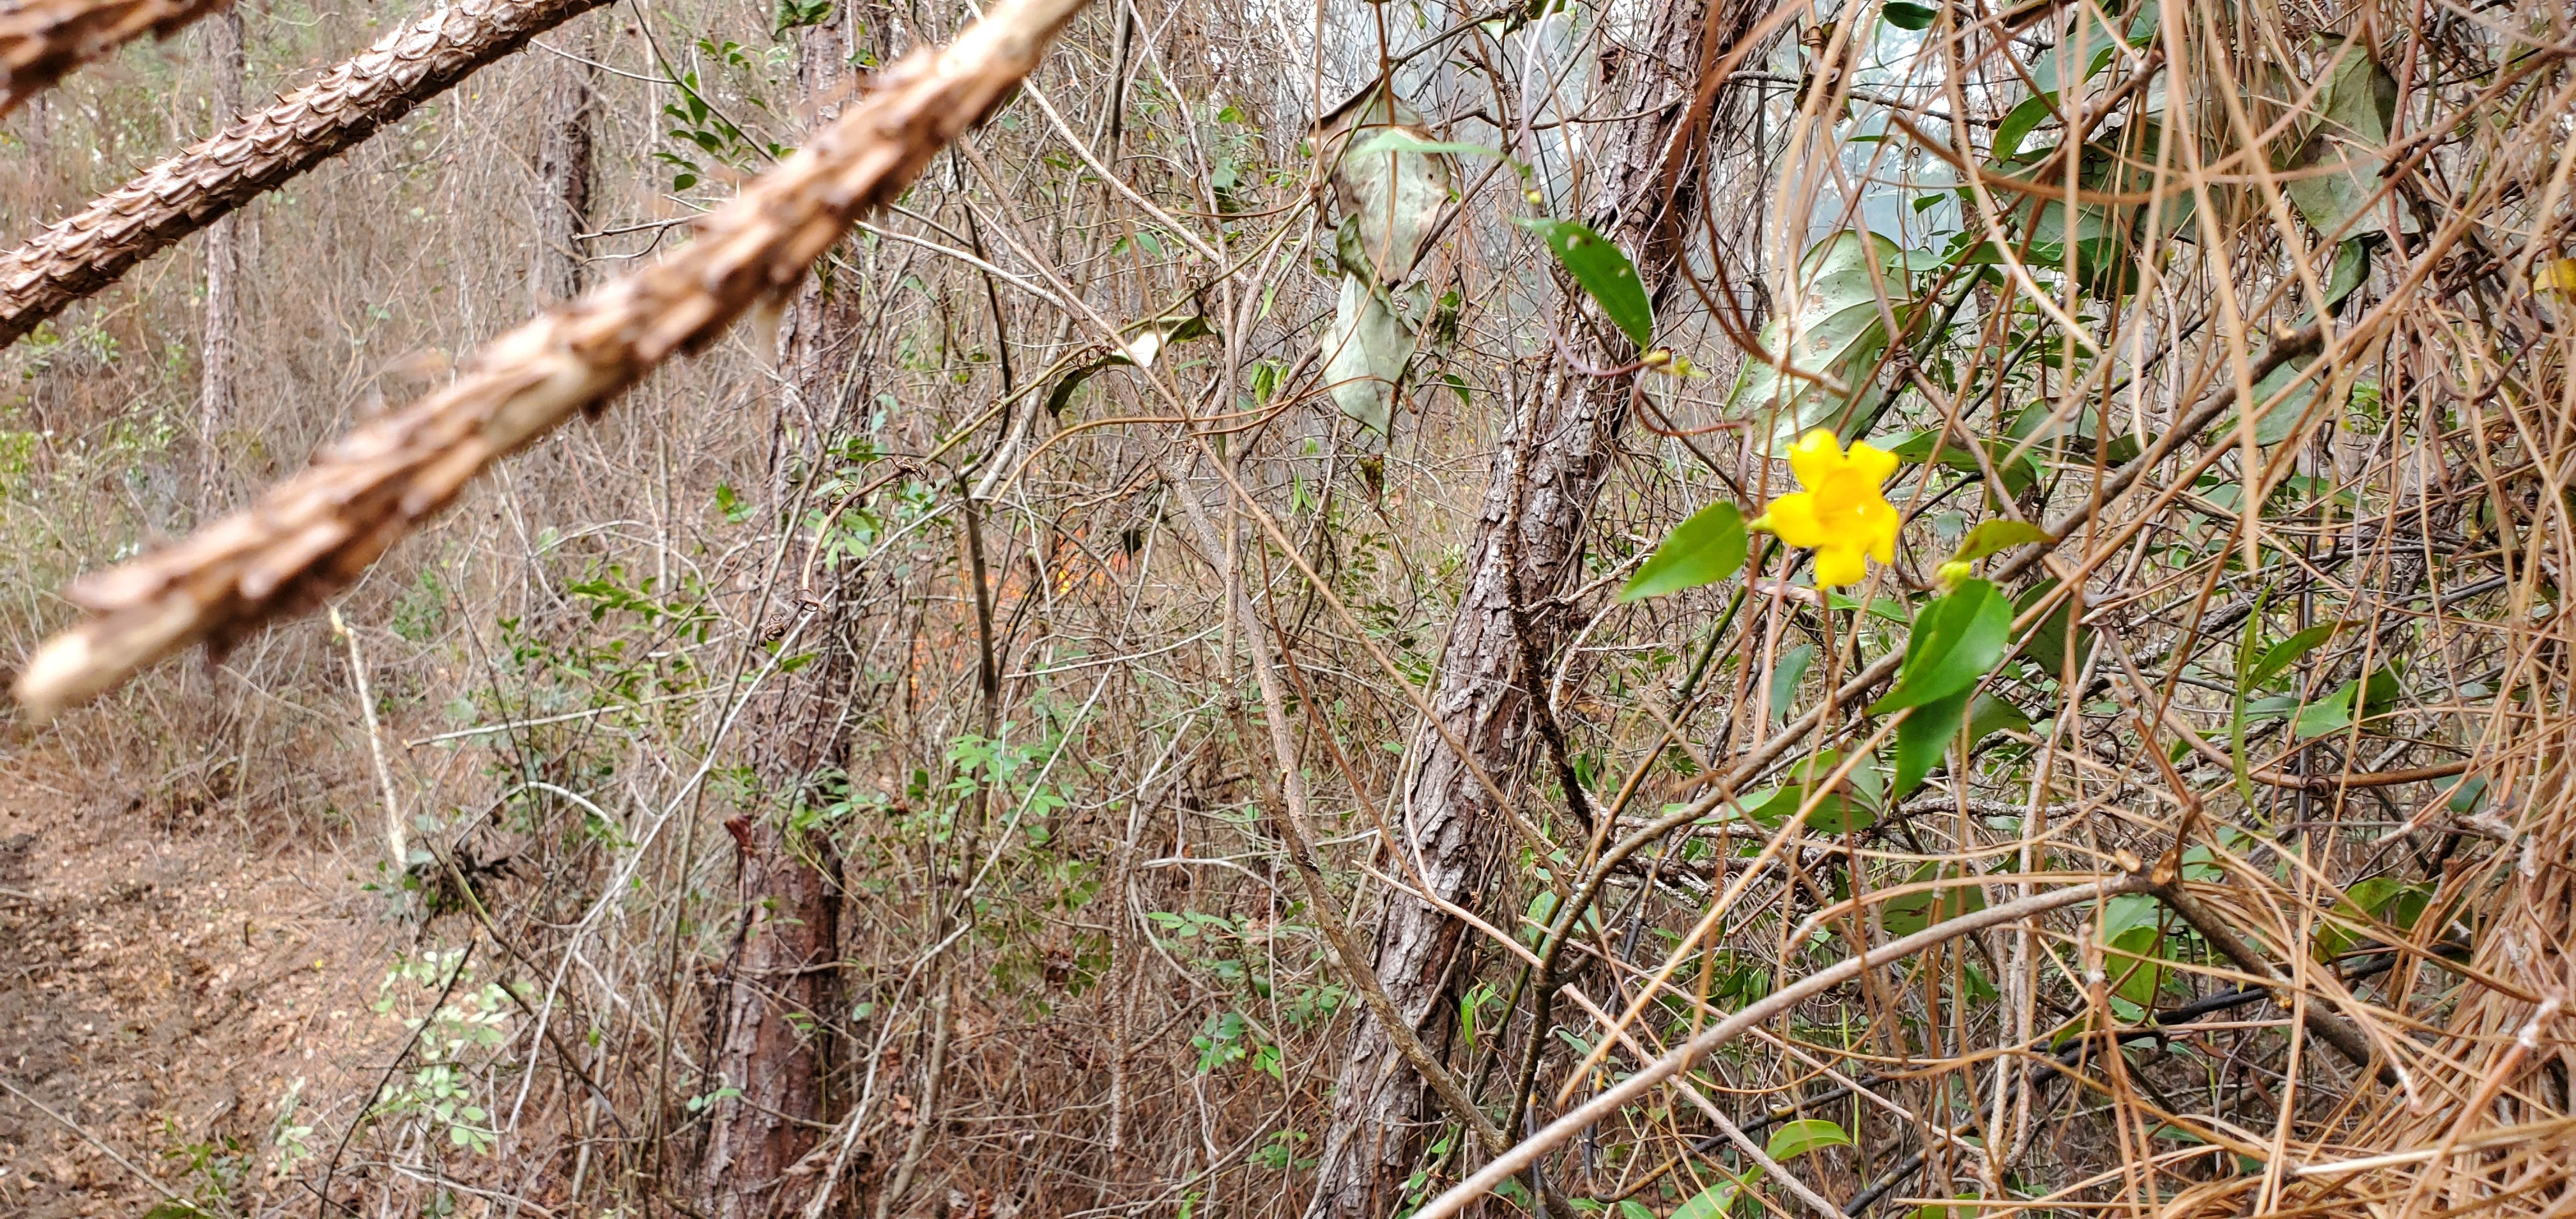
[1646, 188]
[791, 884]
[564, 171]
[223, 258]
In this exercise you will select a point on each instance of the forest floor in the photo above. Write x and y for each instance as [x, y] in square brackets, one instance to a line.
[166, 979]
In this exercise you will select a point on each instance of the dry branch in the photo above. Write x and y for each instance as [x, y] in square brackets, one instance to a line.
[318, 530]
[91, 249]
[42, 41]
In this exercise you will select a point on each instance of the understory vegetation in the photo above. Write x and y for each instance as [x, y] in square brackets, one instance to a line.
[1255, 645]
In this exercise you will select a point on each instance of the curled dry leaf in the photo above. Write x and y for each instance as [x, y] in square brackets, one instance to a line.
[1386, 205]
[312, 534]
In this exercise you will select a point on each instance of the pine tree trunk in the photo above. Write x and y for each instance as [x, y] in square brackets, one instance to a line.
[564, 170]
[223, 252]
[791, 884]
[1644, 181]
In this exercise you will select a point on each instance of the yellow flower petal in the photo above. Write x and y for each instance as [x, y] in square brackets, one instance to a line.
[1880, 523]
[1871, 461]
[1841, 513]
[1815, 458]
[1839, 565]
[1793, 520]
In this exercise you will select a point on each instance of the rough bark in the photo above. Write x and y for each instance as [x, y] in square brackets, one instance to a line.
[223, 250]
[564, 171]
[1645, 179]
[779, 999]
[42, 40]
[781, 1069]
[257, 153]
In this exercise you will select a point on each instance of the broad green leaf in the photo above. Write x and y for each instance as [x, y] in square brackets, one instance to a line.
[1906, 15]
[1939, 1211]
[2017, 474]
[1995, 537]
[2133, 940]
[1705, 549]
[1794, 1139]
[1711, 1203]
[2347, 133]
[2045, 642]
[2330, 714]
[1912, 912]
[1925, 735]
[1835, 334]
[1603, 271]
[1956, 640]
[1630, 1208]
[2469, 795]
[2019, 122]
[2282, 655]
[2085, 49]
[1989, 715]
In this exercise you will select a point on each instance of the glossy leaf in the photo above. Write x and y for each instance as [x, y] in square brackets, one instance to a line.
[1604, 272]
[2019, 122]
[1794, 1139]
[1924, 737]
[1905, 15]
[1705, 549]
[1956, 640]
[1711, 1203]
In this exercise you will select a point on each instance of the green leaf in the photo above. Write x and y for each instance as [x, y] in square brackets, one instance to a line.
[2045, 642]
[1905, 15]
[2330, 714]
[1837, 333]
[1797, 1138]
[1603, 271]
[1711, 1203]
[2019, 122]
[1956, 640]
[2282, 655]
[1705, 549]
[1630, 1208]
[1991, 714]
[1924, 737]
[1995, 537]
[2349, 132]
[1786, 675]
[2017, 475]
[2133, 938]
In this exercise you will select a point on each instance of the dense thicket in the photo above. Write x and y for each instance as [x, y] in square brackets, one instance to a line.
[1209, 657]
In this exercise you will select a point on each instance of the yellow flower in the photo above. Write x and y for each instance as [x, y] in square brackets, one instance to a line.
[1841, 514]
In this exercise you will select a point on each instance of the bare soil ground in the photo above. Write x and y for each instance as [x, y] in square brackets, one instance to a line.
[165, 979]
